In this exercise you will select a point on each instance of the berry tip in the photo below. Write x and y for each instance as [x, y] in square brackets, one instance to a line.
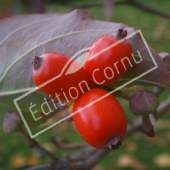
[114, 143]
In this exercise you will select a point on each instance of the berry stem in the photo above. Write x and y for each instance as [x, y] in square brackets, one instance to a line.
[147, 126]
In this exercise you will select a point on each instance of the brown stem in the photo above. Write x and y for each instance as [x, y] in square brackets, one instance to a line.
[158, 91]
[90, 162]
[40, 167]
[118, 93]
[133, 3]
[122, 95]
[33, 6]
[163, 107]
[84, 6]
[82, 155]
[145, 8]
[108, 6]
[61, 165]
[67, 145]
[33, 144]
[147, 126]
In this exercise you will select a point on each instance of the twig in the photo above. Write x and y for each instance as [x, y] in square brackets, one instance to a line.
[68, 145]
[118, 93]
[145, 8]
[33, 6]
[163, 107]
[91, 5]
[158, 91]
[33, 144]
[82, 155]
[84, 6]
[133, 3]
[108, 6]
[41, 167]
[61, 165]
[122, 95]
[93, 160]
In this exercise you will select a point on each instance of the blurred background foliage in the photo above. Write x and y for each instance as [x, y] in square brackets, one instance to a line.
[138, 151]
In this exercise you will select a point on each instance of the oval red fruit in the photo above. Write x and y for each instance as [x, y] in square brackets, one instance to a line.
[108, 59]
[102, 124]
[67, 85]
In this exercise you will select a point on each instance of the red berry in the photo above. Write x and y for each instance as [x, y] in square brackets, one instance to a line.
[102, 124]
[111, 64]
[66, 86]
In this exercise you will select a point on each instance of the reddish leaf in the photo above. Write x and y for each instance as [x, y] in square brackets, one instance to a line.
[25, 36]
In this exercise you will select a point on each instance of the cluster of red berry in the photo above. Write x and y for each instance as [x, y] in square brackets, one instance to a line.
[99, 117]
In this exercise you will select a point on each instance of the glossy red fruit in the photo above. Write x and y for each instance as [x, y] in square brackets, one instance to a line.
[71, 80]
[102, 124]
[106, 63]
